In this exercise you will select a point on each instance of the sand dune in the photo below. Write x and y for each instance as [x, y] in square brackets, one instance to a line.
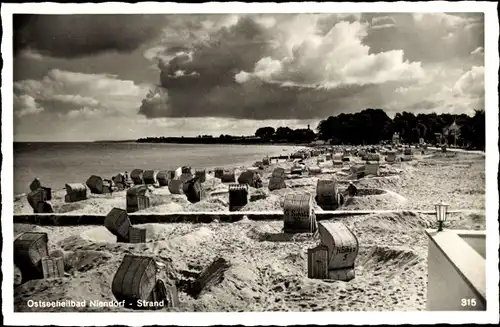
[268, 269]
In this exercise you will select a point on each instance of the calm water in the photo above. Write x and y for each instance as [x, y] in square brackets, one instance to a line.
[56, 164]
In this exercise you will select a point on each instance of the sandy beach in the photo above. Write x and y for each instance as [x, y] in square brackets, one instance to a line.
[268, 269]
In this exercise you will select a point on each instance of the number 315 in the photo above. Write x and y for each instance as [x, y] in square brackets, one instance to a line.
[468, 302]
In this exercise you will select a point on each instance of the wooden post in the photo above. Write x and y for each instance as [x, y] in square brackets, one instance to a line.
[209, 277]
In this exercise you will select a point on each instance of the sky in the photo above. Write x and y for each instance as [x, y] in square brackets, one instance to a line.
[122, 77]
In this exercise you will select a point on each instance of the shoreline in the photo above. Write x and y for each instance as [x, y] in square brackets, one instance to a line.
[391, 185]
[228, 165]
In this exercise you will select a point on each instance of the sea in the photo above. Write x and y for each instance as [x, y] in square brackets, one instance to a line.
[56, 164]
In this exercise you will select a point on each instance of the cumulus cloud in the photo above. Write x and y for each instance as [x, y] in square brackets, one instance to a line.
[429, 37]
[72, 36]
[479, 51]
[453, 91]
[70, 93]
[382, 22]
[262, 67]
[230, 74]
[155, 104]
[471, 83]
[26, 105]
[338, 58]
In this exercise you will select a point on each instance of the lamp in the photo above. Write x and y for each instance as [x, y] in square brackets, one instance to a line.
[441, 211]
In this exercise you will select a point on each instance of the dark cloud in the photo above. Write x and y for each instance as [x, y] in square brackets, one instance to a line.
[73, 36]
[255, 100]
[201, 79]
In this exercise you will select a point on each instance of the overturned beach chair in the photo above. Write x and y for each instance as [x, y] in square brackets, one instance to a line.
[298, 213]
[118, 224]
[238, 196]
[75, 192]
[209, 277]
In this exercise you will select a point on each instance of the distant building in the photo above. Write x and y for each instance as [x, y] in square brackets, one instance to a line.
[453, 130]
[395, 139]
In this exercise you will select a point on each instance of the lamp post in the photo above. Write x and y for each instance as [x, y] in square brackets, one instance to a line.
[441, 211]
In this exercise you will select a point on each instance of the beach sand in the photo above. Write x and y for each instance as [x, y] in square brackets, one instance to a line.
[268, 268]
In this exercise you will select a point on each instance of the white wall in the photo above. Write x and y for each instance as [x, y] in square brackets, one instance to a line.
[477, 240]
[456, 273]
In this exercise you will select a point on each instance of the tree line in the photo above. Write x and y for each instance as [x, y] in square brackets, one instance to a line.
[370, 126]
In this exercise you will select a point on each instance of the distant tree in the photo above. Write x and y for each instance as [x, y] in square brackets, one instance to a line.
[283, 133]
[265, 132]
[478, 126]
[369, 126]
